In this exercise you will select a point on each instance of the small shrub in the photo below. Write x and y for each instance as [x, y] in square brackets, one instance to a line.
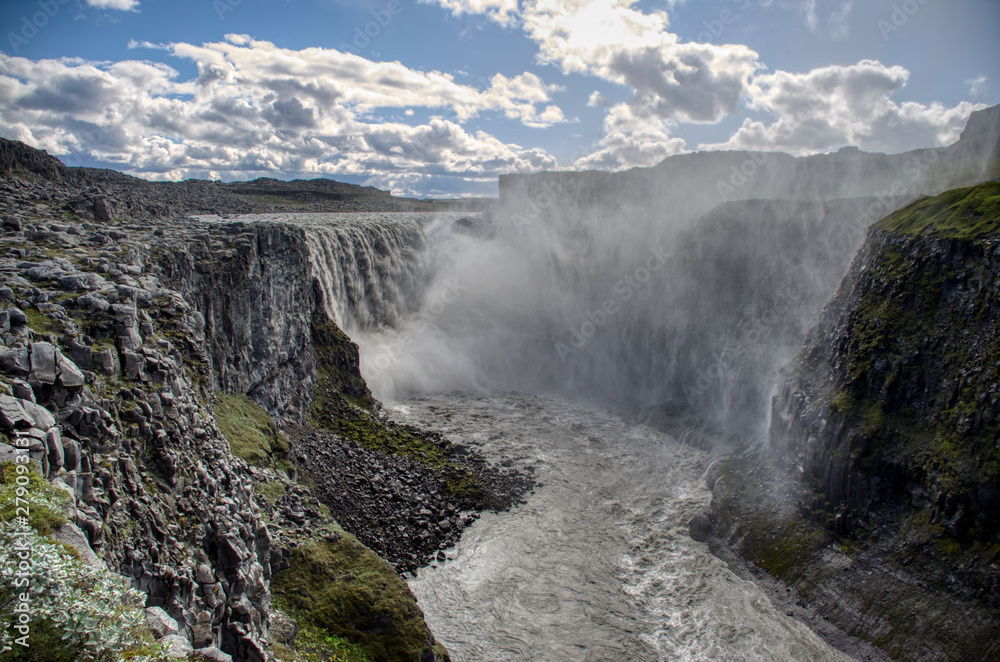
[24, 489]
[77, 612]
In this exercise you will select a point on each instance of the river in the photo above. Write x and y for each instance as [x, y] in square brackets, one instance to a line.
[597, 564]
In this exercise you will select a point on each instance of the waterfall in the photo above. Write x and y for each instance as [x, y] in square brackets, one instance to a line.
[370, 267]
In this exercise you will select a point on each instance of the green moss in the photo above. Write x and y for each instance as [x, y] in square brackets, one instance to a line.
[343, 404]
[38, 322]
[24, 493]
[966, 213]
[249, 429]
[350, 604]
[781, 543]
[272, 491]
[337, 371]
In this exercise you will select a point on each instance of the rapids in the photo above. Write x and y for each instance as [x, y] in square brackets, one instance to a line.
[597, 565]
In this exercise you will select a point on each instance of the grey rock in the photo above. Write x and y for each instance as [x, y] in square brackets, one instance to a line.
[71, 535]
[71, 455]
[204, 574]
[12, 414]
[53, 442]
[214, 654]
[160, 622]
[135, 365]
[93, 303]
[73, 283]
[70, 375]
[21, 389]
[176, 646]
[43, 364]
[15, 361]
[43, 417]
[106, 362]
[201, 633]
[101, 212]
[40, 273]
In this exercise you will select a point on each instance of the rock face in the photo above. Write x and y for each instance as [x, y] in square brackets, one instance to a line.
[118, 339]
[253, 287]
[889, 415]
[897, 390]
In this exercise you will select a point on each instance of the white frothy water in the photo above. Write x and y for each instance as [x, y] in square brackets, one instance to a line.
[598, 564]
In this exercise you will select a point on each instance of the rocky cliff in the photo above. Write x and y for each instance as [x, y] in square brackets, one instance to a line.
[881, 473]
[146, 369]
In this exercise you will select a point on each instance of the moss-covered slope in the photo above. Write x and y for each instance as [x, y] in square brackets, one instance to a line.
[890, 414]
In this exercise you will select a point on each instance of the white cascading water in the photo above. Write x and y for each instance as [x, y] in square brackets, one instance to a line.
[369, 267]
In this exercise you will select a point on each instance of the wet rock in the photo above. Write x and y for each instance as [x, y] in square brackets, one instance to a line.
[700, 527]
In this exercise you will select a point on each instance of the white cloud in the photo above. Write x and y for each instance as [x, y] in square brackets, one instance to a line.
[255, 108]
[977, 85]
[631, 140]
[835, 106]
[501, 11]
[598, 100]
[123, 5]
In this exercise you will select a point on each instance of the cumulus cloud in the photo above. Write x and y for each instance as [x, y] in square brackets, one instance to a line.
[256, 108]
[501, 11]
[835, 106]
[631, 140]
[675, 82]
[123, 5]
[671, 81]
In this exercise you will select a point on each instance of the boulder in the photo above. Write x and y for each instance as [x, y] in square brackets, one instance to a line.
[71, 535]
[213, 654]
[70, 376]
[15, 361]
[43, 364]
[176, 646]
[160, 622]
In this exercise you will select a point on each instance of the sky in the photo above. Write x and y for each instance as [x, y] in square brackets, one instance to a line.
[437, 98]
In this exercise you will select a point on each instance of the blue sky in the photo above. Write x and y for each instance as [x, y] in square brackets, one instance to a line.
[439, 97]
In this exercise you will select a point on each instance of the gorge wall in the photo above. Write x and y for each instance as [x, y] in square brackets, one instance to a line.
[142, 368]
